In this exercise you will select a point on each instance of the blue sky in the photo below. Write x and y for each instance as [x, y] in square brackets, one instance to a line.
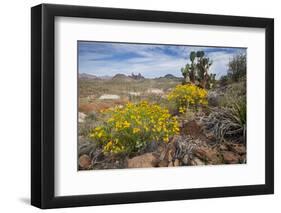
[109, 59]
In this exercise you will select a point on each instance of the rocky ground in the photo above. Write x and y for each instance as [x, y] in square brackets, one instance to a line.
[193, 147]
[210, 136]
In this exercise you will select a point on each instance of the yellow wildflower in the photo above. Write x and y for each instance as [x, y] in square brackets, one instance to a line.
[136, 130]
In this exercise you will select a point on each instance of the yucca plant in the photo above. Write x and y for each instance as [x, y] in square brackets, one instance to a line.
[239, 111]
[227, 123]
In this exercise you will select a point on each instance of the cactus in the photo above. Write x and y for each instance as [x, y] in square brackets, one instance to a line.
[189, 71]
[211, 81]
[198, 69]
[203, 66]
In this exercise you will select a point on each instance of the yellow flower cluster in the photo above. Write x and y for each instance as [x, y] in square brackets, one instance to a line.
[130, 128]
[188, 95]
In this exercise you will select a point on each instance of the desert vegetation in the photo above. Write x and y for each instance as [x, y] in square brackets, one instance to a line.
[129, 121]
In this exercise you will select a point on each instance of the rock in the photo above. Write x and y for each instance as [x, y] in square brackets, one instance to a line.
[143, 161]
[109, 97]
[238, 148]
[84, 161]
[163, 163]
[177, 162]
[208, 155]
[230, 157]
[170, 164]
[201, 152]
[155, 91]
[196, 162]
[81, 117]
[134, 93]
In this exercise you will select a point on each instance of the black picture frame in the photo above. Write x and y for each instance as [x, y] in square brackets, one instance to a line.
[43, 102]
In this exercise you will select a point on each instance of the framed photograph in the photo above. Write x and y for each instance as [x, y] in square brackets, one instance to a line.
[139, 106]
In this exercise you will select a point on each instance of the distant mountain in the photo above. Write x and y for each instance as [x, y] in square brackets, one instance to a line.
[105, 77]
[169, 76]
[122, 77]
[131, 77]
[119, 76]
[136, 77]
[87, 76]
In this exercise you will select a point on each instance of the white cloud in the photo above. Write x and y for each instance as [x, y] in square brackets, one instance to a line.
[149, 60]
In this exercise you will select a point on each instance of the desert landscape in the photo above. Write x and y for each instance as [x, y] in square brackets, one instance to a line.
[188, 117]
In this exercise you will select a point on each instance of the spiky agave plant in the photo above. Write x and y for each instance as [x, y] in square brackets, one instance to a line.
[239, 113]
[227, 123]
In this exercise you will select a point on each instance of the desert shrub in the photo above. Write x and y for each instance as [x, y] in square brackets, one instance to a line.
[84, 128]
[239, 111]
[233, 93]
[224, 81]
[227, 123]
[188, 95]
[129, 129]
[237, 67]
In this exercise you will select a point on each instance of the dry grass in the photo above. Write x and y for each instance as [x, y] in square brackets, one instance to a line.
[91, 90]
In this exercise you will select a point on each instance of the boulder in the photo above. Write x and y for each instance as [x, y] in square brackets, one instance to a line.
[143, 161]
[163, 163]
[170, 164]
[109, 97]
[208, 155]
[84, 161]
[134, 93]
[155, 91]
[81, 117]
